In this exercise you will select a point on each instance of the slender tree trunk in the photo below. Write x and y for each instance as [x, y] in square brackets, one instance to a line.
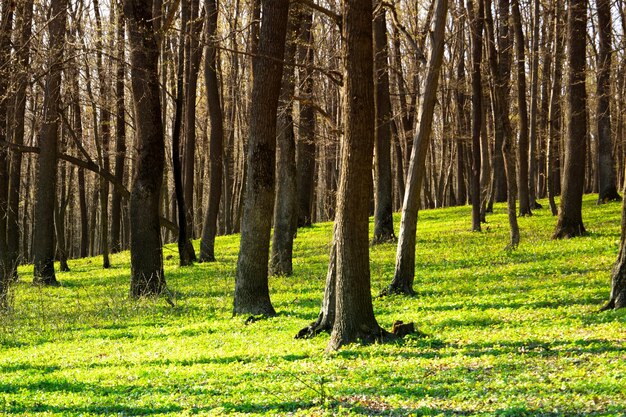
[405, 257]
[383, 215]
[554, 127]
[305, 146]
[251, 283]
[476, 30]
[146, 255]
[43, 239]
[570, 222]
[216, 148]
[534, 108]
[606, 162]
[285, 205]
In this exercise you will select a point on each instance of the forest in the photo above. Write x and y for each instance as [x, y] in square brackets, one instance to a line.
[211, 207]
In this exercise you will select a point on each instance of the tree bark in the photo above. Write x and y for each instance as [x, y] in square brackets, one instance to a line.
[476, 30]
[216, 148]
[405, 258]
[251, 282]
[383, 214]
[146, 255]
[534, 113]
[354, 315]
[607, 189]
[43, 241]
[570, 222]
[617, 298]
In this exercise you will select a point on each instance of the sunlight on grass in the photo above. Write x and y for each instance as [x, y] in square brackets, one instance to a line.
[510, 333]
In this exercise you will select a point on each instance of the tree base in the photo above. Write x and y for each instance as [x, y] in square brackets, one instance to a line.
[363, 335]
[206, 258]
[255, 308]
[566, 230]
[398, 289]
[321, 325]
[536, 206]
[608, 196]
[385, 238]
[46, 282]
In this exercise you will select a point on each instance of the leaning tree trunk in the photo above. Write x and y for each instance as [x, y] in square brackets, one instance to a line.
[607, 189]
[383, 213]
[617, 298]
[405, 258]
[570, 222]
[146, 255]
[285, 205]
[354, 312]
[216, 146]
[43, 239]
[251, 282]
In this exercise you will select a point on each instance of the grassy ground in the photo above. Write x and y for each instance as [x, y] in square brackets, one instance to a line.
[511, 333]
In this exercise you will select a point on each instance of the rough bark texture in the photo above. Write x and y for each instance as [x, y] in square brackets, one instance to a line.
[570, 222]
[354, 315]
[617, 298]
[607, 189]
[383, 212]
[305, 146]
[285, 206]
[216, 139]
[45, 194]
[251, 283]
[476, 30]
[405, 258]
[145, 238]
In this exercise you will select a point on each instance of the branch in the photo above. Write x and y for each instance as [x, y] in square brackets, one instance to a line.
[396, 22]
[335, 17]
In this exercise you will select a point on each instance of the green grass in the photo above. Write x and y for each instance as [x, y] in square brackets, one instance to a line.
[511, 333]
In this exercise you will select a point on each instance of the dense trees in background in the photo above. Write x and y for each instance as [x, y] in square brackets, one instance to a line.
[130, 123]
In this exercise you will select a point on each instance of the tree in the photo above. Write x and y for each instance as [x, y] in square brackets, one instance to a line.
[405, 258]
[607, 189]
[617, 298]
[251, 282]
[146, 254]
[354, 312]
[570, 222]
[45, 194]
[216, 141]
[383, 213]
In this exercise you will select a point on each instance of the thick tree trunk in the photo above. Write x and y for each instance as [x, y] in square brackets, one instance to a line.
[285, 205]
[120, 135]
[43, 239]
[383, 215]
[405, 258]
[354, 312]
[522, 107]
[146, 255]
[216, 148]
[617, 298]
[607, 189]
[305, 146]
[251, 283]
[570, 222]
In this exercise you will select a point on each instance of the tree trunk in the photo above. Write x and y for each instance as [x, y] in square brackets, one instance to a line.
[285, 205]
[305, 147]
[251, 283]
[383, 215]
[534, 108]
[405, 258]
[522, 140]
[146, 255]
[606, 163]
[570, 222]
[617, 299]
[354, 315]
[216, 148]
[476, 30]
[43, 239]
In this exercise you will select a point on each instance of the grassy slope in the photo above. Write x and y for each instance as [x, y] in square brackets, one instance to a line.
[512, 333]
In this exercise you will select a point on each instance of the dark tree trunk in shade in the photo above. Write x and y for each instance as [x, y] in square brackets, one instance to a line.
[522, 106]
[305, 146]
[45, 194]
[251, 282]
[405, 257]
[553, 159]
[146, 255]
[476, 30]
[286, 203]
[6, 23]
[383, 214]
[570, 221]
[534, 115]
[120, 134]
[24, 25]
[462, 123]
[354, 312]
[59, 221]
[607, 188]
[617, 298]
[216, 147]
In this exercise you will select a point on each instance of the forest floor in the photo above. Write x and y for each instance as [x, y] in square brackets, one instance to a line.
[510, 333]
